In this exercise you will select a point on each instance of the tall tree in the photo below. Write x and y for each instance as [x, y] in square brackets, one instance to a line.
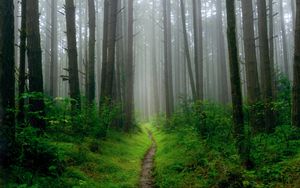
[22, 68]
[284, 39]
[154, 62]
[168, 58]
[7, 80]
[296, 86]
[34, 54]
[198, 43]
[109, 69]
[271, 42]
[221, 58]
[266, 76]
[129, 70]
[54, 51]
[91, 62]
[104, 49]
[72, 55]
[188, 56]
[237, 101]
[253, 89]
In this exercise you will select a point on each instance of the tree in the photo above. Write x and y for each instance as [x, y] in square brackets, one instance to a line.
[221, 58]
[34, 54]
[296, 85]
[237, 101]
[22, 68]
[168, 58]
[129, 71]
[72, 55]
[91, 62]
[109, 51]
[188, 56]
[197, 23]
[253, 89]
[54, 51]
[266, 75]
[7, 81]
[284, 39]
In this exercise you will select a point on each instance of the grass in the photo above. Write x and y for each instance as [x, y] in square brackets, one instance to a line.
[184, 159]
[114, 162]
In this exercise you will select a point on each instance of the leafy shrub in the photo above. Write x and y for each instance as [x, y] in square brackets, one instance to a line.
[37, 154]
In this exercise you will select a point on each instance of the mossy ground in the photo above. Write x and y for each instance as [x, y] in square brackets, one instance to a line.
[113, 162]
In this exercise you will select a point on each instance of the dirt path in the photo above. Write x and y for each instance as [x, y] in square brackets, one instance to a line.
[146, 179]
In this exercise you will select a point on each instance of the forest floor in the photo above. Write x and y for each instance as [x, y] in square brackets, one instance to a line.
[147, 180]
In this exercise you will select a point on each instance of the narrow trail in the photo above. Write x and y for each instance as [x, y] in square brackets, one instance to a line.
[146, 179]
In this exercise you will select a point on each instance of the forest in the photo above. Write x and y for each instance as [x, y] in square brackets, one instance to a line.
[149, 93]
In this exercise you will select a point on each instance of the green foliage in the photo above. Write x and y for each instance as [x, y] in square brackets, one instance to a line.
[197, 149]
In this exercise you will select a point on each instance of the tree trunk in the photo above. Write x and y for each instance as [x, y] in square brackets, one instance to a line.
[109, 66]
[237, 101]
[54, 51]
[198, 43]
[91, 63]
[34, 54]
[22, 68]
[253, 89]
[271, 42]
[187, 53]
[129, 71]
[296, 86]
[266, 76]
[168, 58]
[224, 85]
[104, 50]
[72, 55]
[7, 81]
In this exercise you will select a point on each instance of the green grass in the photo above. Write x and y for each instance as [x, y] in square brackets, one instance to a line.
[184, 159]
[114, 162]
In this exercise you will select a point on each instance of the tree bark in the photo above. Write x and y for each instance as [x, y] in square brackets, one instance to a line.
[129, 71]
[168, 58]
[109, 66]
[266, 76]
[253, 89]
[237, 101]
[91, 62]
[54, 51]
[22, 68]
[72, 55]
[34, 54]
[198, 43]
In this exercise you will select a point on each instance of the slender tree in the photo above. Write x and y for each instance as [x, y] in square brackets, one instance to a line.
[296, 86]
[54, 51]
[237, 101]
[22, 68]
[7, 81]
[109, 69]
[72, 55]
[168, 58]
[91, 62]
[284, 39]
[221, 57]
[198, 43]
[129, 71]
[104, 49]
[188, 56]
[266, 76]
[34, 54]
[253, 89]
